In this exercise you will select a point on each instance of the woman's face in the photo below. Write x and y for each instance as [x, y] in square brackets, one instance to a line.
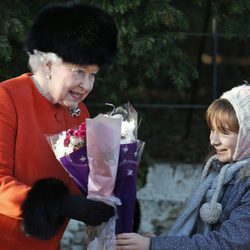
[70, 84]
[224, 143]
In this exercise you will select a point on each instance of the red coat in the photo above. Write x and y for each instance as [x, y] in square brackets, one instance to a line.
[25, 155]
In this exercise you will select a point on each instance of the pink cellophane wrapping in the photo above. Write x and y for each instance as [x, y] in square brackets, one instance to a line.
[103, 144]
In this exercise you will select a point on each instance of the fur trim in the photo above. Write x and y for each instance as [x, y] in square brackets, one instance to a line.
[41, 208]
[79, 34]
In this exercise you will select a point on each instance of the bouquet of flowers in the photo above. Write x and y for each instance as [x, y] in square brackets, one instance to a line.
[102, 156]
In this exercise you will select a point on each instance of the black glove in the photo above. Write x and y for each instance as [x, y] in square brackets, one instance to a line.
[41, 208]
[91, 212]
[47, 204]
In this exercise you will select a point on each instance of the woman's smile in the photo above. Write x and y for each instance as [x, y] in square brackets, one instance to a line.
[75, 95]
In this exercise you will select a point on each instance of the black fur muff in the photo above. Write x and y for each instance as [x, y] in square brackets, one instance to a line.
[41, 208]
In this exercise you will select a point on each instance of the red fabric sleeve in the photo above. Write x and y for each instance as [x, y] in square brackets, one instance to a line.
[12, 192]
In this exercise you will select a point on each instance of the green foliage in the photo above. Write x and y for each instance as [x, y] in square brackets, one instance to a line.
[14, 18]
[233, 17]
[10, 28]
[149, 32]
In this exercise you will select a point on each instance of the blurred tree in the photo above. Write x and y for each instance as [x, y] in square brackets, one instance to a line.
[149, 32]
[12, 23]
[233, 16]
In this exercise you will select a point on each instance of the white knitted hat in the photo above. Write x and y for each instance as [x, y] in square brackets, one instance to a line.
[239, 97]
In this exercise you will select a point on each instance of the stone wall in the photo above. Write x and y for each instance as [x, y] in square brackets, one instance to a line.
[163, 196]
[161, 199]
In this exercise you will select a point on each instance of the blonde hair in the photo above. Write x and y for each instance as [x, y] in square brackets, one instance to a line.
[222, 114]
[39, 58]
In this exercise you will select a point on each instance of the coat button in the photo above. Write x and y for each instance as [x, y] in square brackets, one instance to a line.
[59, 116]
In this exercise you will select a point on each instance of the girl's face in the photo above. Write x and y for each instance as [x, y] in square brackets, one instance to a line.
[70, 84]
[224, 143]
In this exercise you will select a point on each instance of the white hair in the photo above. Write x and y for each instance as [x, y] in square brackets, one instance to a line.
[39, 58]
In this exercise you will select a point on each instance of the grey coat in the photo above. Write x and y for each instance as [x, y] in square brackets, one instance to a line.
[231, 232]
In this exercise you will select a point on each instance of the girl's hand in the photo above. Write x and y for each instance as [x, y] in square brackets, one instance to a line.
[132, 241]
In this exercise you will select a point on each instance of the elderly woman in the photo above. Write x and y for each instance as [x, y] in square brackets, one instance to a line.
[67, 45]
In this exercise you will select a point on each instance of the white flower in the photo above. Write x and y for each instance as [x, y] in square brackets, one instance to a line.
[127, 132]
[59, 148]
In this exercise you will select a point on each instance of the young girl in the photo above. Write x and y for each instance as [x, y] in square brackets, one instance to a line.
[217, 215]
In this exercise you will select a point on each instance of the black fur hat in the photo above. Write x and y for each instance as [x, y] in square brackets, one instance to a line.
[79, 34]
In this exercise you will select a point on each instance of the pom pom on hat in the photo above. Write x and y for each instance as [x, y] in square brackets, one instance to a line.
[79, 34]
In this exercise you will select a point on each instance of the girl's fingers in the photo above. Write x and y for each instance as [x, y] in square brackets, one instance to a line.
[124, 236]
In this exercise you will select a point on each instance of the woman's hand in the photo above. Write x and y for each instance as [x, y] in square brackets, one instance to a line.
[132, 241]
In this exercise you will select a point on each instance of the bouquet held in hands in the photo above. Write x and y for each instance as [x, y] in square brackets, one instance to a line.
[102, 156]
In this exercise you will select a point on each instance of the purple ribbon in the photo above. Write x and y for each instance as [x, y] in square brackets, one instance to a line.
[125, 187]
[76, 164]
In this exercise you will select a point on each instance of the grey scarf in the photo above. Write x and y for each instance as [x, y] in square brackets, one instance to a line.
[210, 190]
